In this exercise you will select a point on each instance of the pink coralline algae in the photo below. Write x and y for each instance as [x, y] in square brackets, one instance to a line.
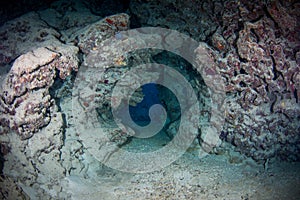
[256, 45]
[262, 76]
[90, 38]
[25, 103]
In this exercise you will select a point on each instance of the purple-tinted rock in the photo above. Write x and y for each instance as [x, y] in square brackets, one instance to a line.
[25, 100]
[91, 36]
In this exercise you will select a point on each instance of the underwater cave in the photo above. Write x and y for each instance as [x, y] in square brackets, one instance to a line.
[60, 65]
[151, 94]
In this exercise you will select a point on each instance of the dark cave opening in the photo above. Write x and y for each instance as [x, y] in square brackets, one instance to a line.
[154, 94]
[139, 112]
[107, 7]
[151, 94]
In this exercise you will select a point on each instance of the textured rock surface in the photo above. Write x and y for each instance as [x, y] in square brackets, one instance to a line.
[266, 109]
[33, 155]
[263, 101]
[10, 190]
[18, 36]
[91, 36]
[32, 126]
[188, 17]
[31, 108]
[67, 15]
[25, 101]
[256, 48]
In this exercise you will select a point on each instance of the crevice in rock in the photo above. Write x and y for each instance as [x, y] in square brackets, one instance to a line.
[277, 27]
[107, 7]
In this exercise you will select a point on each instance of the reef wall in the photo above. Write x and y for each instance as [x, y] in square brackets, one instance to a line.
[256, 47]
[37, 151]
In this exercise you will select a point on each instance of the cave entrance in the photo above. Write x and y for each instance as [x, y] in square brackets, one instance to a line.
[152, 93]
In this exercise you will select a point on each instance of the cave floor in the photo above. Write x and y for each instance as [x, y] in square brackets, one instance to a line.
[224, 176]
[212, 177]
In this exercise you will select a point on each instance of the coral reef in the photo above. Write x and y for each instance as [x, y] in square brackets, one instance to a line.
[266, 109]
[263, 88]
[25, 101]
[18, 36]
[91, 36]
[256, 48]
[31, 124]
[31, 114]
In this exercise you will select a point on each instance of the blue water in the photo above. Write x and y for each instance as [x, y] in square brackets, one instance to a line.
[140, 112]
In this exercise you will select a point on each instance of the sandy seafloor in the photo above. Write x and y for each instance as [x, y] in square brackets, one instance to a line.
[225, 176]
[188, 178]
